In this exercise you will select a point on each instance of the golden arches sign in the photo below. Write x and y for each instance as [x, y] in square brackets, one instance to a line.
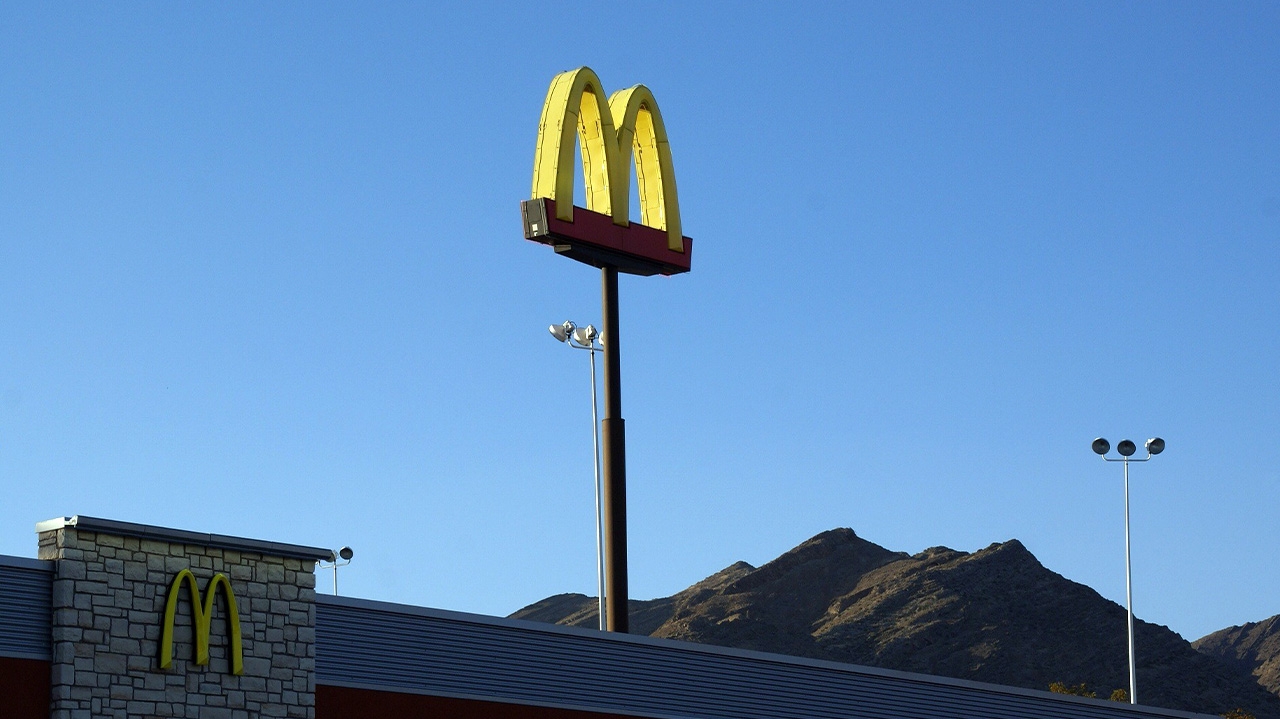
[609, 135]
[202, 619]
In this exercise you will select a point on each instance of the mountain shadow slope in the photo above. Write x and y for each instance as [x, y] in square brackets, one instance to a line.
[1253, 647]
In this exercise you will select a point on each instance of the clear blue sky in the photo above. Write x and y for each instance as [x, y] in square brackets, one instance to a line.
[261, 273]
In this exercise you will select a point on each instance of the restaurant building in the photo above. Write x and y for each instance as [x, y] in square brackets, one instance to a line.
[116, 619]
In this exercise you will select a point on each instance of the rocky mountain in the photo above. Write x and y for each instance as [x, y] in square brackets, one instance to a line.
[996, 615]
[1254, 648]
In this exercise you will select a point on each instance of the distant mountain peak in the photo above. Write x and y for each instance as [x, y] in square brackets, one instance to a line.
[833, 556]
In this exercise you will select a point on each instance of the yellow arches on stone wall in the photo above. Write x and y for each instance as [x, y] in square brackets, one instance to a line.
[202, 619]
[609, 135]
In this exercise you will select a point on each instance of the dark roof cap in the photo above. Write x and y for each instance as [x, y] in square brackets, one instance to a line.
[182, 536]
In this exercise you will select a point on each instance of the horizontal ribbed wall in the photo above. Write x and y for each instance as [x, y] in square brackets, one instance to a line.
[410, 649]
[25, 595]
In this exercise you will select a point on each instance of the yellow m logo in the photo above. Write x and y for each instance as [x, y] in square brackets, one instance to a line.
[202, 618]
[608, 135]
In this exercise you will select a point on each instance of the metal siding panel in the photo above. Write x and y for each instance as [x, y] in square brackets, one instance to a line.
[25, 594]
[369, 644]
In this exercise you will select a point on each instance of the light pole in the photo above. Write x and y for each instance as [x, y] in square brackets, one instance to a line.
[584, 338]
[340, 558]
[1126, 448]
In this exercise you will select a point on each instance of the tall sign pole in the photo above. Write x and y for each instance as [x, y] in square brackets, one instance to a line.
[613, 432]
[610, 134]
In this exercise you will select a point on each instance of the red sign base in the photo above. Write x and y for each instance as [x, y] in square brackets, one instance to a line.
[592, 238]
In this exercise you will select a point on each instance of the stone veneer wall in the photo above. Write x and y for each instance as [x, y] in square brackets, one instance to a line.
[109, 593]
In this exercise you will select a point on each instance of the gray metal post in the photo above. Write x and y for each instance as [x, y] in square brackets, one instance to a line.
[595, 459]
[1128, 590]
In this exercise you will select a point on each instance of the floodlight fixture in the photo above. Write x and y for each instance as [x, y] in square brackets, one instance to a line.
[1155, 446]
[338, 558]
[1101, 446]
[1126, 448]
[561, 332]
[585, 335]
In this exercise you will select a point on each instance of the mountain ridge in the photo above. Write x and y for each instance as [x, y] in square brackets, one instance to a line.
[994, 615]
